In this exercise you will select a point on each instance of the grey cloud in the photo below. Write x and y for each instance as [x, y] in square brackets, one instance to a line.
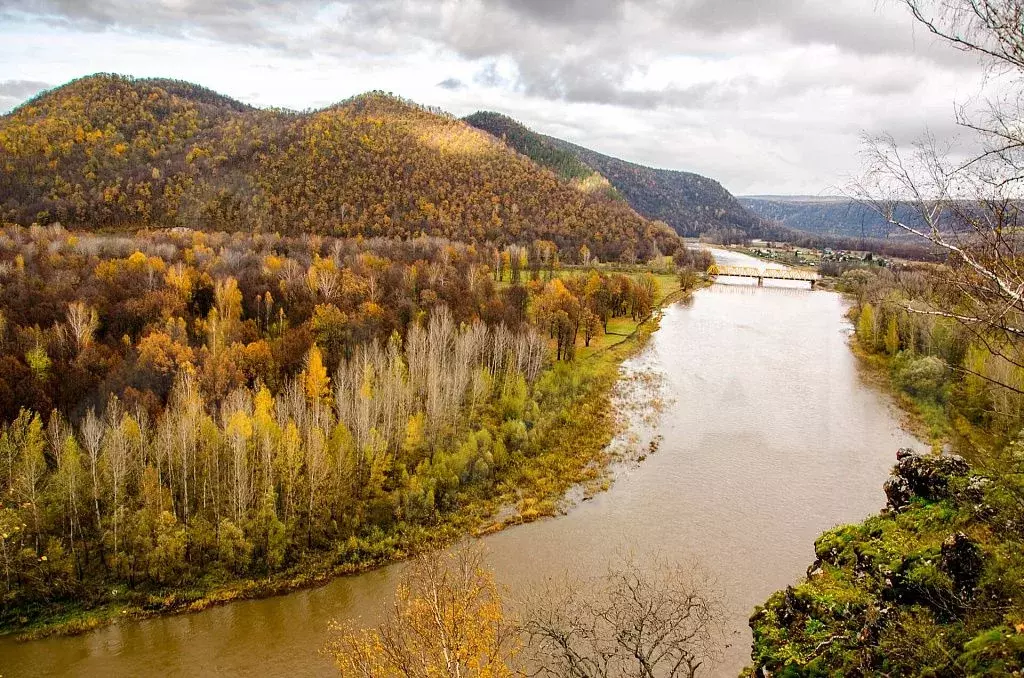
[562, 52]
[236, 21]
[7, 103]
[573, 50]
[552, 55]
[488, 76]
[907, 128]
[21, 88]
[479, 28]
[452, 84]
[579, 12]
[14, 92]
[581, 83]
[595, 52]
[858, 28]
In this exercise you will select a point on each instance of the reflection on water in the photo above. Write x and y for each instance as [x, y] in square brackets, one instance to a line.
[768, 438]
[748, 287]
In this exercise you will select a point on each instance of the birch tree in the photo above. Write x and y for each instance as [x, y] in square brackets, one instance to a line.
[83, 322]
[967, 205]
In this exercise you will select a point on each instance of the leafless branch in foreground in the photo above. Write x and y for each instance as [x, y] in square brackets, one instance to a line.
[653, 621]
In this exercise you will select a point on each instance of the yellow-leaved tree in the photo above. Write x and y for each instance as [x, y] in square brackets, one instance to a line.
[447, 622]
[315, 377]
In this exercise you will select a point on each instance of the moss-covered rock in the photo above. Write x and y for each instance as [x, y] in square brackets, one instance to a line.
[930, 587]
[927, 476]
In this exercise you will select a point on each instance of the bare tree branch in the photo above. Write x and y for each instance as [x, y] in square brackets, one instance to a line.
[633, 621]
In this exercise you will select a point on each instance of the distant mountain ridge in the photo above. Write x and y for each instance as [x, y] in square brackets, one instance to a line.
[690, 203]
[109, 151]
[823, 215]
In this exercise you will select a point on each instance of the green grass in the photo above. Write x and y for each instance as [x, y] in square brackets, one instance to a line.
[881, 604]
[621, 329]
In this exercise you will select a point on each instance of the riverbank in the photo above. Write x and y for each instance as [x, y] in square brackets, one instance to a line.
[570, 450]
[734, 490]
[932, 584]
[925, 419]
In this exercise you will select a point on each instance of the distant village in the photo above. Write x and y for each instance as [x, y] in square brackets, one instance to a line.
[803, 256]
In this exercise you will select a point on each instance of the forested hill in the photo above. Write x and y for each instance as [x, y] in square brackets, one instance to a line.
[542, 151]
[113, 152]
[689, 203]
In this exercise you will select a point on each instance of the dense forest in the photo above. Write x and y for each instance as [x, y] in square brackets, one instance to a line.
[536, 147]
[114, 152]
[182, 409]
[691, 204]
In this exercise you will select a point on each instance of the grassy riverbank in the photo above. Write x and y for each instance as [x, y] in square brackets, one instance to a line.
[922, 416]
[568, 447]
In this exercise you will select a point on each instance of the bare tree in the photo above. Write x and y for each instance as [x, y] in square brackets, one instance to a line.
[967, 205]
[116, 449]
[92, 430]
[990, 28]
[83, 322]
[654, 621]
[381, 386]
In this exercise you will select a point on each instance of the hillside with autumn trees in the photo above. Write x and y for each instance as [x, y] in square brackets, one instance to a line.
[690, 203]
[109, 151]
[562, 162]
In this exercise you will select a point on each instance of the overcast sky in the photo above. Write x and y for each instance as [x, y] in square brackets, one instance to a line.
[767, 96]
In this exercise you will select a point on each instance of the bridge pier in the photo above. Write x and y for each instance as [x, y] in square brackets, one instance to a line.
[760, 282]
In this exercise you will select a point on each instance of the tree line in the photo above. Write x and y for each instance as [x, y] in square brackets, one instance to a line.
[181, 406]
[249, 482]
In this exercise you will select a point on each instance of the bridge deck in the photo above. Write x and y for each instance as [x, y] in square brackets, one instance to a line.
[764, 273]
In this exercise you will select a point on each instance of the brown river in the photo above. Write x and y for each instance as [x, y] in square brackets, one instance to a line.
[768, 437]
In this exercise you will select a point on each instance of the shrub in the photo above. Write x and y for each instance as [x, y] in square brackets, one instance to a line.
[922, 377]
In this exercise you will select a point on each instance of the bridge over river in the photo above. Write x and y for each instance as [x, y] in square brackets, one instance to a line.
[763, 274]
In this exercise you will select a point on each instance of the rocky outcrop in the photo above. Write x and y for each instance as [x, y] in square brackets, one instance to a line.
[936, 569]
[922, 475]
